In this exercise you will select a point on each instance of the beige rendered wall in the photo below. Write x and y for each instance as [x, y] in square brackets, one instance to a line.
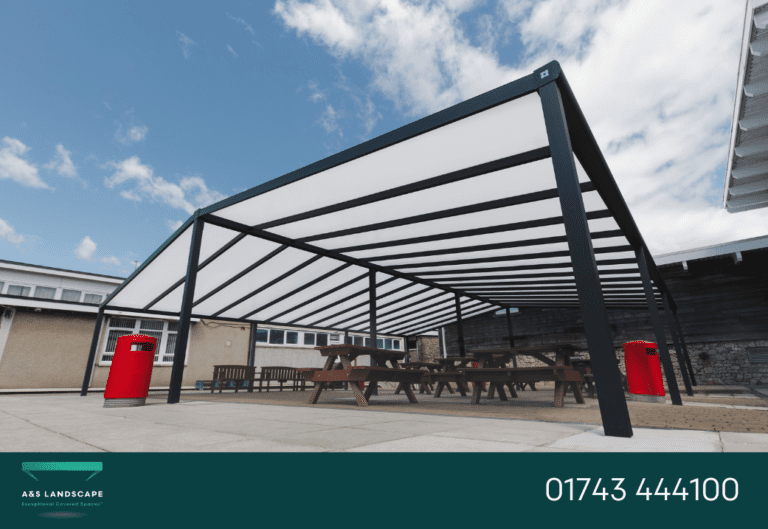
[46, 350]
[207, 348]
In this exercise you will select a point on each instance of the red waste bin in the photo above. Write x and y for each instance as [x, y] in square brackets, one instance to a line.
[641, 359]
[131, 371]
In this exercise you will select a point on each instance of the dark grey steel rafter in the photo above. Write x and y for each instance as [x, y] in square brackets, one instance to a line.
[543, 266]
[239, 237]
[495, 246]
[441, 321]
[379, 311]
[502, 258]
[225, 223]
[448, 178]
[299, 289]
[338, 302]
[323, 294]
[514, 226]
[271, 283]
[365, 303]
[420, 310]
[447, 213]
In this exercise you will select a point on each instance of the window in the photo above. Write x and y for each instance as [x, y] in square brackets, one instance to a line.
[2, 284]
[18, 290]
[276, 336]
[367, 342]
[379, 343]
[388, 343]
[261, 335]
[335, 338]
[348, 340]
[359, 340]
[70, 295]
[45, 292]
[164, 331]
[92, 298]
[322, 339]
[395, 344]
[309, 338]
[291, 337]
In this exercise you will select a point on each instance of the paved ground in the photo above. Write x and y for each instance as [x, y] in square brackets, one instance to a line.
[70, 423]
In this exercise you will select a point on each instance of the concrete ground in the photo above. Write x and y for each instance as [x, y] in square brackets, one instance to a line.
[70, 423]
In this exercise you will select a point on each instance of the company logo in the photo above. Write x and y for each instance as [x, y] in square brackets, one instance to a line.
[61, 493]
[69, 466]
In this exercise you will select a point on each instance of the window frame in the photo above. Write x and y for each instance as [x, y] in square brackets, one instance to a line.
[161, 346]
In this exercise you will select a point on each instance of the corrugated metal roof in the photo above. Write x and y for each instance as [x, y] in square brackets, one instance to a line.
[746, 182]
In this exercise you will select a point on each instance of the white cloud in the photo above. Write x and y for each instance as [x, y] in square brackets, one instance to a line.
[189, 194]
[8, 233]
[134, 134]
[655, 81]
[330, 120]
[185, 43]
[14, 166]
[85, 249]
[62, 163]
[233, 52]
[173, 225]
[245, 24]
[111, 260]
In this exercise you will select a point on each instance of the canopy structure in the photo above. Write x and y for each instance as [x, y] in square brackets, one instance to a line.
[479, 207]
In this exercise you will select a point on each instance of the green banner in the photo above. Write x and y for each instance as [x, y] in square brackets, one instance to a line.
[382, 490]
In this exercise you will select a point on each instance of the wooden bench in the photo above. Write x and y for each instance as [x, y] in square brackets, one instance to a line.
[281, 375]
[233, 377]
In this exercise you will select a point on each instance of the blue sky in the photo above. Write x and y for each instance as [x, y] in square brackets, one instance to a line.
[118, 120]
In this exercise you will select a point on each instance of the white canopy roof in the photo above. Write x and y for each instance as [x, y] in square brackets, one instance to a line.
[461, 203]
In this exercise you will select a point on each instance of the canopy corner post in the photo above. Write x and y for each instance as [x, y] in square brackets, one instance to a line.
[460, 327]
[177, 372]
[676, 341]
[658, 328]
[613, 405]
[676, 319]
[92, 352]
[372, 330]
[252, 344]
[511, 336]
[406, 349]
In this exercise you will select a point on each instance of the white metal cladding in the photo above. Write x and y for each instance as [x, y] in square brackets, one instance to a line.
[469, 208]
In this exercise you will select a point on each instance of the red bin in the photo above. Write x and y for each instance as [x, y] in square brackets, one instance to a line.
[641, 359]
[131, 371]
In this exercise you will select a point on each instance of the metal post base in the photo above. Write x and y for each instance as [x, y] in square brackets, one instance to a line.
[123, 403]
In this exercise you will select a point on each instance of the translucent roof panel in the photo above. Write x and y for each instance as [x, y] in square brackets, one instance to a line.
[461, 203]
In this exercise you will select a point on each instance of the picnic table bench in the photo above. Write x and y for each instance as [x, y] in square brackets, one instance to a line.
[233, 377]
[425, 386]
[558, 370]
[372, 374]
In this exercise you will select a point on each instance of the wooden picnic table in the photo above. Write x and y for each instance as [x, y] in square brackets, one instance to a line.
[558, 370]
[451, 372]
[425, 386]
[346, 354]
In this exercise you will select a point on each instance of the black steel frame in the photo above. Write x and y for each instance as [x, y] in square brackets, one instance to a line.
[579, 282]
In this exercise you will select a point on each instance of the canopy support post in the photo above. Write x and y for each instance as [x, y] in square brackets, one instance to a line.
[177, 372]
[252, 344]
[685, 347]
[678, 349]
[373, 335]
[406, 349]
[460, 327]
[610, 396]
[658, 328]
[92, 352]
[511, 337]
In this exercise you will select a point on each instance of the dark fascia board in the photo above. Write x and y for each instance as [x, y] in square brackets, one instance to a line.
[503, 94]
[41, 267]
[588, 152]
